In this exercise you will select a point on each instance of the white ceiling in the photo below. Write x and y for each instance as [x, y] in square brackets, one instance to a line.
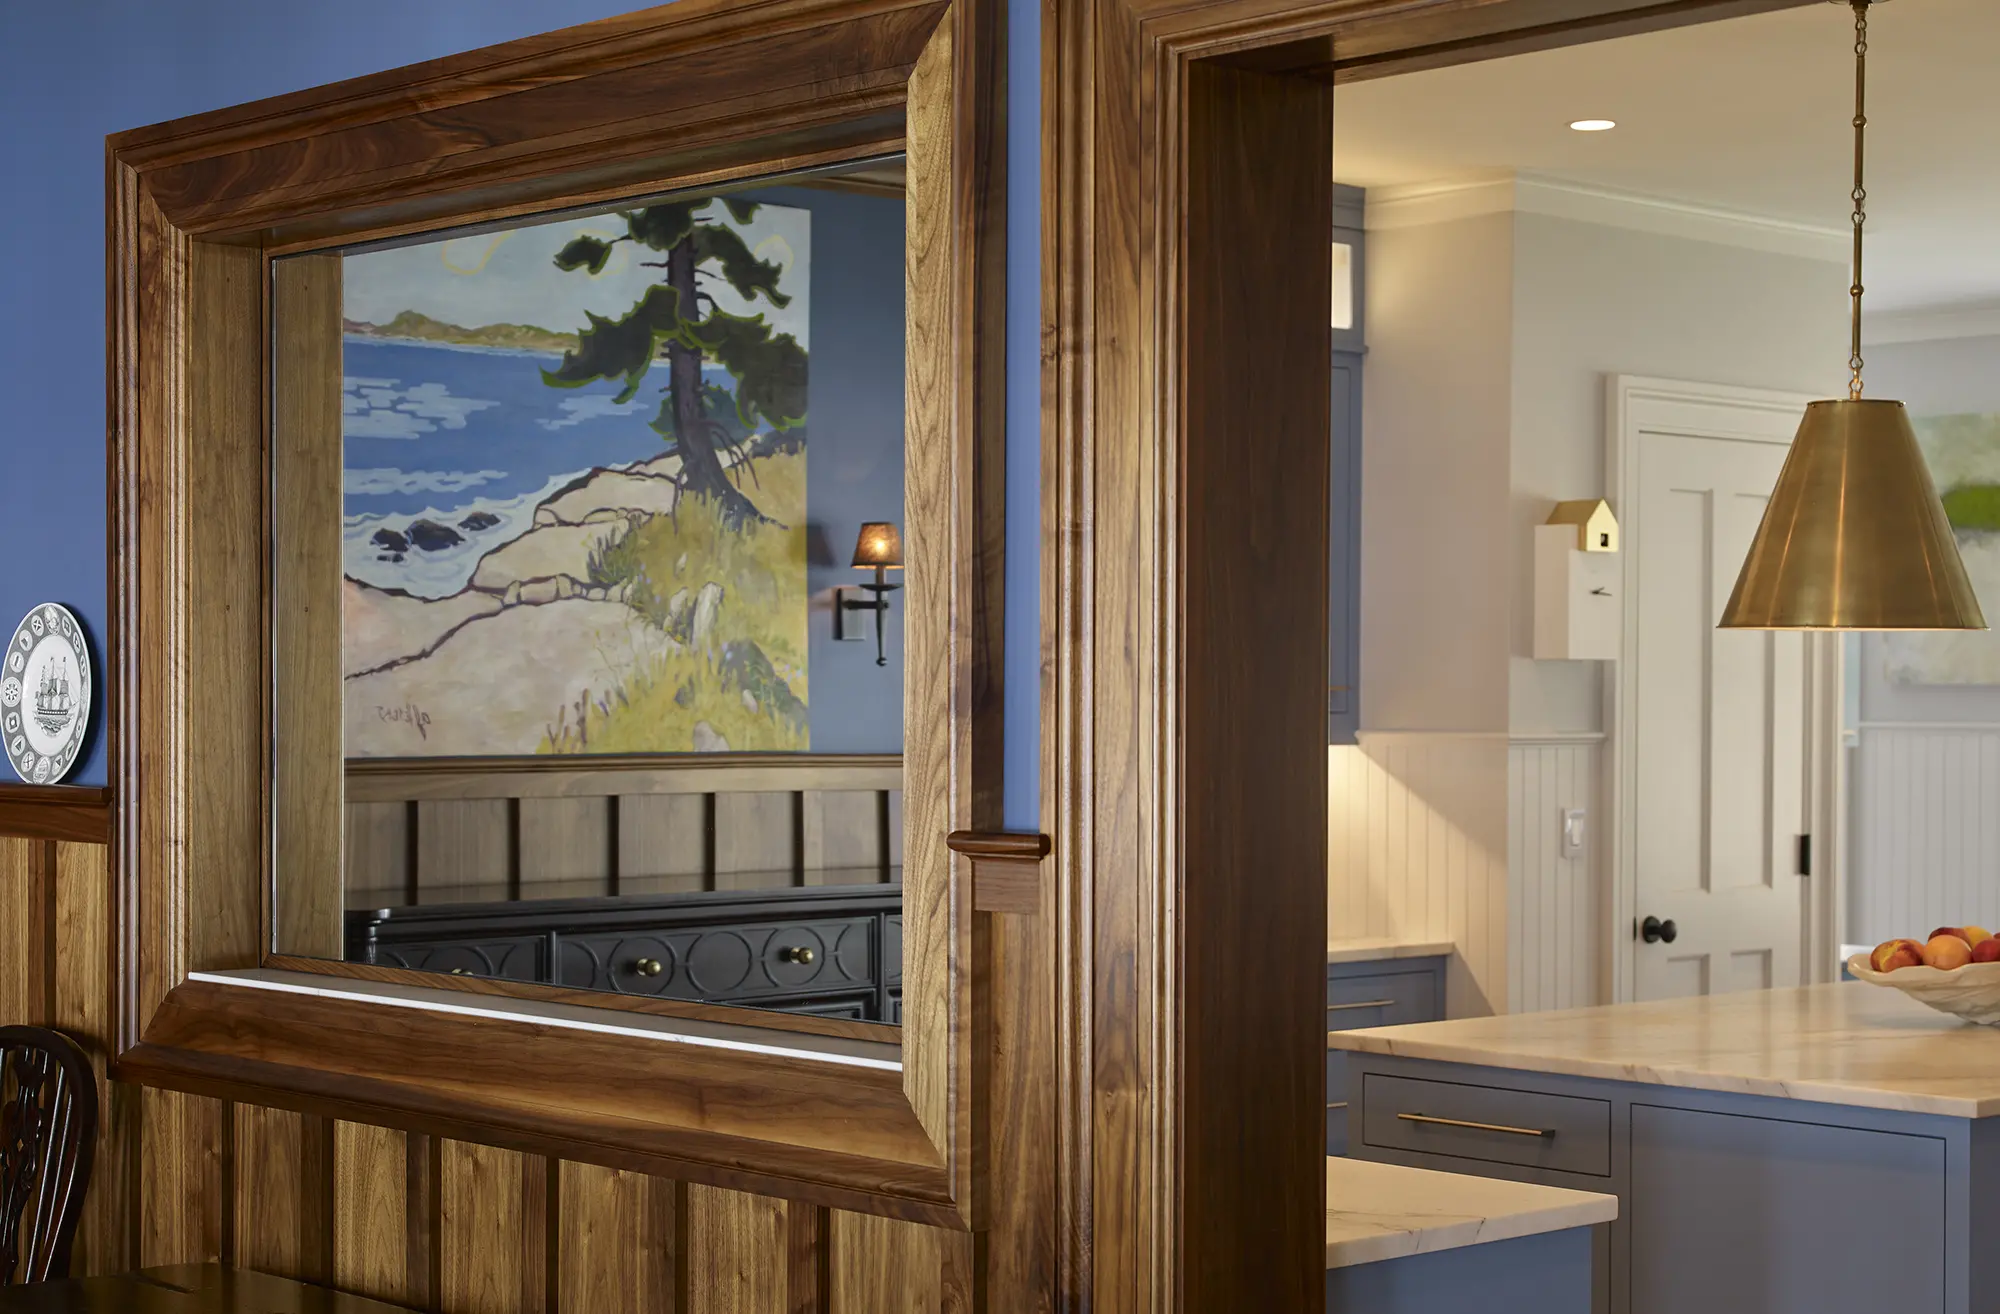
[1749, 115]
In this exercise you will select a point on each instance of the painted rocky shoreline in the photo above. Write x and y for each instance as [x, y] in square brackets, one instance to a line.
[548, 632]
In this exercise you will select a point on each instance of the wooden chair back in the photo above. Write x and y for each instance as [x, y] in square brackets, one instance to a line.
[48, 1131]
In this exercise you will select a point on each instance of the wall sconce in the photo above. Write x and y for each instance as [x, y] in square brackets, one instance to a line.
[879, 548]
[1343, 286]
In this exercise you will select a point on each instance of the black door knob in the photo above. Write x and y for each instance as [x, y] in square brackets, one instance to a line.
[1653, 931]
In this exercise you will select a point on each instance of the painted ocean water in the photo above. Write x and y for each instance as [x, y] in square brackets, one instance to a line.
[469, 439]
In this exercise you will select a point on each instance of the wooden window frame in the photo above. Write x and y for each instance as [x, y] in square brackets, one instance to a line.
[1182, 1001]
[197, 210]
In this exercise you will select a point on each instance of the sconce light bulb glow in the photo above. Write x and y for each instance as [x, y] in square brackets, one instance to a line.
[1593, 125]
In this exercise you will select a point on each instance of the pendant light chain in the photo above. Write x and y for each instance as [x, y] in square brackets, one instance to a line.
[1860, 192]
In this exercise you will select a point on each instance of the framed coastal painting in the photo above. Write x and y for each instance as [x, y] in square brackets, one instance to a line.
[1963, 452]
[574, 486]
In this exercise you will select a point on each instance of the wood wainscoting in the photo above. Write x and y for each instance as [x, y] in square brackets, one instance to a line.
[442, 831]
[460, 1228]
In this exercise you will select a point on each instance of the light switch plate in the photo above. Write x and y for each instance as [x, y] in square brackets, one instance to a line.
[1574, 835]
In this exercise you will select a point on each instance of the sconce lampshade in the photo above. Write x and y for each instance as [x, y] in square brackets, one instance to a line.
[1854, 537]
[878, 547]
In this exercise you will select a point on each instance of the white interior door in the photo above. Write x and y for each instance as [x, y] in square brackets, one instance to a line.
[1715, 729]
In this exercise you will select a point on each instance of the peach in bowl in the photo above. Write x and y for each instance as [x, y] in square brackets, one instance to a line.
[1956, 971]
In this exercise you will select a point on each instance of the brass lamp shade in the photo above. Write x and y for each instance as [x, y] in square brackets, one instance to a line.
[1855, 537]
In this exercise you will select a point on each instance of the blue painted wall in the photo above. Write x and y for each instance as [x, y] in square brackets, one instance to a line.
[72, 73]
[854, 455]
[1022, 802]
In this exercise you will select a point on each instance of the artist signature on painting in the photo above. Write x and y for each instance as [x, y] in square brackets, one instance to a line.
[408, 714]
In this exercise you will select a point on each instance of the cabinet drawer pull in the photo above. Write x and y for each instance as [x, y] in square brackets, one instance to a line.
[649, 967]
[800, 955]
[1366, 1003]
[1331, 1107]
[1542, 1133]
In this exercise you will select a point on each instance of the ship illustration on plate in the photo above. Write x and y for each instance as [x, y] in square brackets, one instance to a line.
[55, 704]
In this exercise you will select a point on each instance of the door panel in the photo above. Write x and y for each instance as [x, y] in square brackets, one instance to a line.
[1719, 736]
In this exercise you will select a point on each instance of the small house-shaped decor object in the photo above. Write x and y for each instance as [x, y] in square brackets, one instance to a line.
[1596, 527]
[1578, 579]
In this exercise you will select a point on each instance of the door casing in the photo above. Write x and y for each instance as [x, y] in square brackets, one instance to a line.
[1636, 405]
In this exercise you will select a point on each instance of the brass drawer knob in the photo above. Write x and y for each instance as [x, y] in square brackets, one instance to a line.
[796, 954]
[649, 967]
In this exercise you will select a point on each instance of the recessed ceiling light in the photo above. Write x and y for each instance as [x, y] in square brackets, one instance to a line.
[1594, 125]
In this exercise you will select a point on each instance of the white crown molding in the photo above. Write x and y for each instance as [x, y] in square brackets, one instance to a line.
[1412, 205]
[1418, 204]
[1979, 319]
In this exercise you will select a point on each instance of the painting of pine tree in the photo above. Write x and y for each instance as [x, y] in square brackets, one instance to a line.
[574, 462]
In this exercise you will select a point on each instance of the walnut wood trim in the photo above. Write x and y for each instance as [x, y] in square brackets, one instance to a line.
[429, 151]
[1003, 846]
[1006, 869]
[1120, 689]
[79, 813]
[196, 210]
[398, 780]
[804, 1024]
[808, 765]
[834, 1134]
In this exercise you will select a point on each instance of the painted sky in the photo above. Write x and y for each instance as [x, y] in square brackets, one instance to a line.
[510, 277]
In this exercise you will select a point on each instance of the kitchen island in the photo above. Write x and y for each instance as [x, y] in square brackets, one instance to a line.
[1409, 1241]
[1830, 1149]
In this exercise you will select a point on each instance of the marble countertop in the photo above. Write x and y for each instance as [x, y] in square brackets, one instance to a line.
[1385, 947]
[1853, 1043]
[1377, 1211]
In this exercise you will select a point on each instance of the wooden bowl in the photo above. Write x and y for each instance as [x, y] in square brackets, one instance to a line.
[1971, 992]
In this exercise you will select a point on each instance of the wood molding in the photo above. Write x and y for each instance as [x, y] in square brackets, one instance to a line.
[1135, 581]
[1002, 846]
[585, 116]
[79, 813]
[832, 1133]
[1007, 872]
[397, 780]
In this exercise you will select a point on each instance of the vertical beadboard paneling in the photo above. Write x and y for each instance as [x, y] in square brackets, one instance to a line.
[1925, 831]
[1557, 912]
[1417, 846]
[1459, 837]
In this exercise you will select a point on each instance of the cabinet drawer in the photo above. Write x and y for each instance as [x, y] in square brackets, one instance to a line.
[1491, 1123]
[724, 963]
[858, 1008]
[1381, 999]
[516, 959]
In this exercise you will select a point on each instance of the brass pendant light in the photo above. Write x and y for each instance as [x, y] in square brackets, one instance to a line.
[1855, 537]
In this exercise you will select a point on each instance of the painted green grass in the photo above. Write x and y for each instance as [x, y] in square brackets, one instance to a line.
[758, 645]
[1974, 506]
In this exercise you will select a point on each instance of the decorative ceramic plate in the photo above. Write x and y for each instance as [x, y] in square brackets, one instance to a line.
[1971, 992]
[45, 690]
